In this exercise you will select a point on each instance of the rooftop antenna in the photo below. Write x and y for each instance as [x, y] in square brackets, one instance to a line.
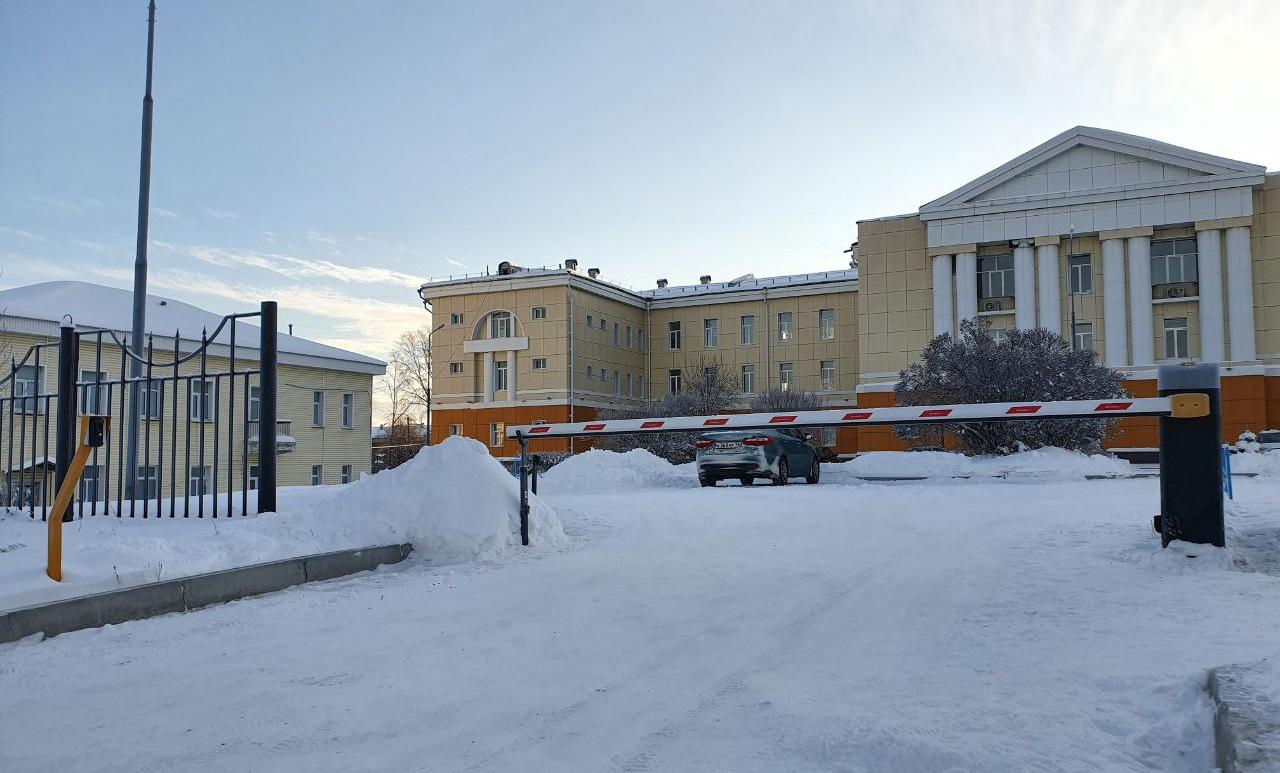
[290, 328]
[140, 261]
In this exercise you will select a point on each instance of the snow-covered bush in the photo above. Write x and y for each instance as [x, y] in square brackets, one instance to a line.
[1248, 443]
[1028, 365]
[784, 400]
[707, 388]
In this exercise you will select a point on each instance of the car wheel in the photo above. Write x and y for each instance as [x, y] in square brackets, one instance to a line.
[783, 473]
[706, 481]
[746, 480]
[814, 473]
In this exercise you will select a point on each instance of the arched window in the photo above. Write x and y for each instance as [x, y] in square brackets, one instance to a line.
[500, 324]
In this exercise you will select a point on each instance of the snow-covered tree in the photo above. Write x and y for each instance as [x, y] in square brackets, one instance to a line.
[1028, 365]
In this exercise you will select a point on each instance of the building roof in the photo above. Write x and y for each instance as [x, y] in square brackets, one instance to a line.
[95, 306]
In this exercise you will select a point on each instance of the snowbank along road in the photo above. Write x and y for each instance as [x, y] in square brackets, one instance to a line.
[979, 625]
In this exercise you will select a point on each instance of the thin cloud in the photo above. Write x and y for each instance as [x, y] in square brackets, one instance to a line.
[457, 263]
[320, 237]
[24, 234]
[165, 213]
[55, 204]
[219, 214]
[97, 247]
[299, 268]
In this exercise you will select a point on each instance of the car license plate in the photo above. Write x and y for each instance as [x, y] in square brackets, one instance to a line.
[723, 447]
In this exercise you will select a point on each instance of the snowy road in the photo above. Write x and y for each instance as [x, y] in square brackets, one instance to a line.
[965, 626]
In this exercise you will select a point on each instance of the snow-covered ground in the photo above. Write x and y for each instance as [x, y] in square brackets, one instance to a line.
[421, 502]
[1024, 623]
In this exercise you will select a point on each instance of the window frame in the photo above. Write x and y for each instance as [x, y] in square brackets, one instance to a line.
[207, 387]
[1185, 330]
[148, 480]
[198, 480]
[28, 400]
[986, 276]
[747, 330]
[347, 471]
[825, 366]
[786, 327]
[500, 375]
[786, 375]
[826, 324]
[255, 402]
[675, 335]
[747, 378]
[457, 430]
[496, 440]
[93, 384]
[1080, 336]
[675, 380]
[348, 410]
[455, 318]
[317, 407]
[538, 312]
[539, 363]
[501, 321]
[711, 333]
[455, 368]
[317, 475]
[1074, 272]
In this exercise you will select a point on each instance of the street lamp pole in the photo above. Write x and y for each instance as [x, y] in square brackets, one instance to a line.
[430, 377]
[140, 263]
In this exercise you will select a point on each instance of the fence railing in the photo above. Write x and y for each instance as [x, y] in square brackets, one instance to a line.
[197, 405]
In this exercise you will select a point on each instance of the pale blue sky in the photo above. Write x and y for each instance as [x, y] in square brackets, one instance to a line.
[333, 154]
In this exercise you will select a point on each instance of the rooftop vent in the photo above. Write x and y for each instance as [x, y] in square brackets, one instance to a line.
[593, 272]
[506, 268]
[705, 279]
[662, 283]
[571, 264]
[741, 279]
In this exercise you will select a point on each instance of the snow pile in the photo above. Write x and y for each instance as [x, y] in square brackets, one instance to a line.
[1041, 463]
[600, 472]
[1265, 463]
[453, 501]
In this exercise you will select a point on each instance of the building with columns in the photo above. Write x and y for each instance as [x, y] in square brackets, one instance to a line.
[1141, 251]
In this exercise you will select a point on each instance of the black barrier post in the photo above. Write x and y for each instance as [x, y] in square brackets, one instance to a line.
[1191, 460]
[267, 409]
[524, 489]
[533, 475]
[68, 363]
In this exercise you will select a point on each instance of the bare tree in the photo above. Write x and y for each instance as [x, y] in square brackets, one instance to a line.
[411, 356]
[785, 400]
[1029, 365]
[394, 387]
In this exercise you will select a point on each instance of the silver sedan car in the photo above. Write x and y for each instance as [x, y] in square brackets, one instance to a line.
[775, 454]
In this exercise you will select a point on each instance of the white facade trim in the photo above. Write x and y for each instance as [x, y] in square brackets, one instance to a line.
[482, 345]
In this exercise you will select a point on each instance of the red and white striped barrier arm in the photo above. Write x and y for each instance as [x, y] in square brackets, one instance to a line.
[1183, 406]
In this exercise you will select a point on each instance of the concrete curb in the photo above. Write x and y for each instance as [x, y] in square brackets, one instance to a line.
[187, 593]
[1246, 723]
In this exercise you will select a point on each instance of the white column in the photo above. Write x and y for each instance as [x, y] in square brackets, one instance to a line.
[1140, 333]
[511, 375]
[966, 286]
[1240, 294]
[1024, 286]
[1050, 298]
[1113, 320]
[488, 377]
[942, 295]
[1209, 245]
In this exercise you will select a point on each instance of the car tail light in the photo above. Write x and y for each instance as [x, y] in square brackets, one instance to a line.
[704, 444]
[757, 441]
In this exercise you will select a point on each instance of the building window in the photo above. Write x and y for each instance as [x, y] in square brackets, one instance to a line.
[255, 402]
[1176, 344]
[630, 394]
[317, 408]
[640, 339]
[617, 334]
[1080, 270]
[827, 324]
[602, 325]
[147, 484]
[628, 338]
[827, 370]
[91, 391]
[673, 380]
[253, 477]
[673, 335]
[455, 430]
[640, 386]
[455, 368]
[197, 481]
[748, 335]
[604, 374]
[27, 383]
[539, 363]
[346, 473]
[590, 371]
[495, 435]
[317, 474]
[617, 384]
[151, 395]
[749, 379]
[499, 375]
[590, 319]
[1082, 337]
[348, 410]
[538, 312]
[88, 489]
[786, 373]
[995, 276]
[786, 327]
[500, 324]
[200, 397]
[710, 333]
[455, 318]
[999, 335]
[1173, 261]
[709, 375]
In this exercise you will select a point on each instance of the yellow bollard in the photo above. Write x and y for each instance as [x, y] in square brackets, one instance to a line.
[92, 435]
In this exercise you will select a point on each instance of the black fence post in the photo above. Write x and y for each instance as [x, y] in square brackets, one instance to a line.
[267, 410]
[1191, 460]
[524, 490]
[533, 476]
[68, 362]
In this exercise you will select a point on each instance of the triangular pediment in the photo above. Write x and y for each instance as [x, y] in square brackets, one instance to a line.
[1085, 161]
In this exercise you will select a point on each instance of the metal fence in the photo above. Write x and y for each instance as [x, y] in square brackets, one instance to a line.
[200, 407]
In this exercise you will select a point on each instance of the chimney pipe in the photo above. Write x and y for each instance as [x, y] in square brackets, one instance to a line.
[662, 283]
[705, 279]
[593, 272]
[571, 264]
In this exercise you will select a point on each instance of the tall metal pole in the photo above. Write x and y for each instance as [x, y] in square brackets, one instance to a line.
[140, 262]
[1071, 284]
[430, 376]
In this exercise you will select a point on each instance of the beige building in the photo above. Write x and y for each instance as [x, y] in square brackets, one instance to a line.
[324, 397]
[1144, 252]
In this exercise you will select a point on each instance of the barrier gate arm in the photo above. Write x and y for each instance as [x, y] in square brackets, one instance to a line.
[1187, 405]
